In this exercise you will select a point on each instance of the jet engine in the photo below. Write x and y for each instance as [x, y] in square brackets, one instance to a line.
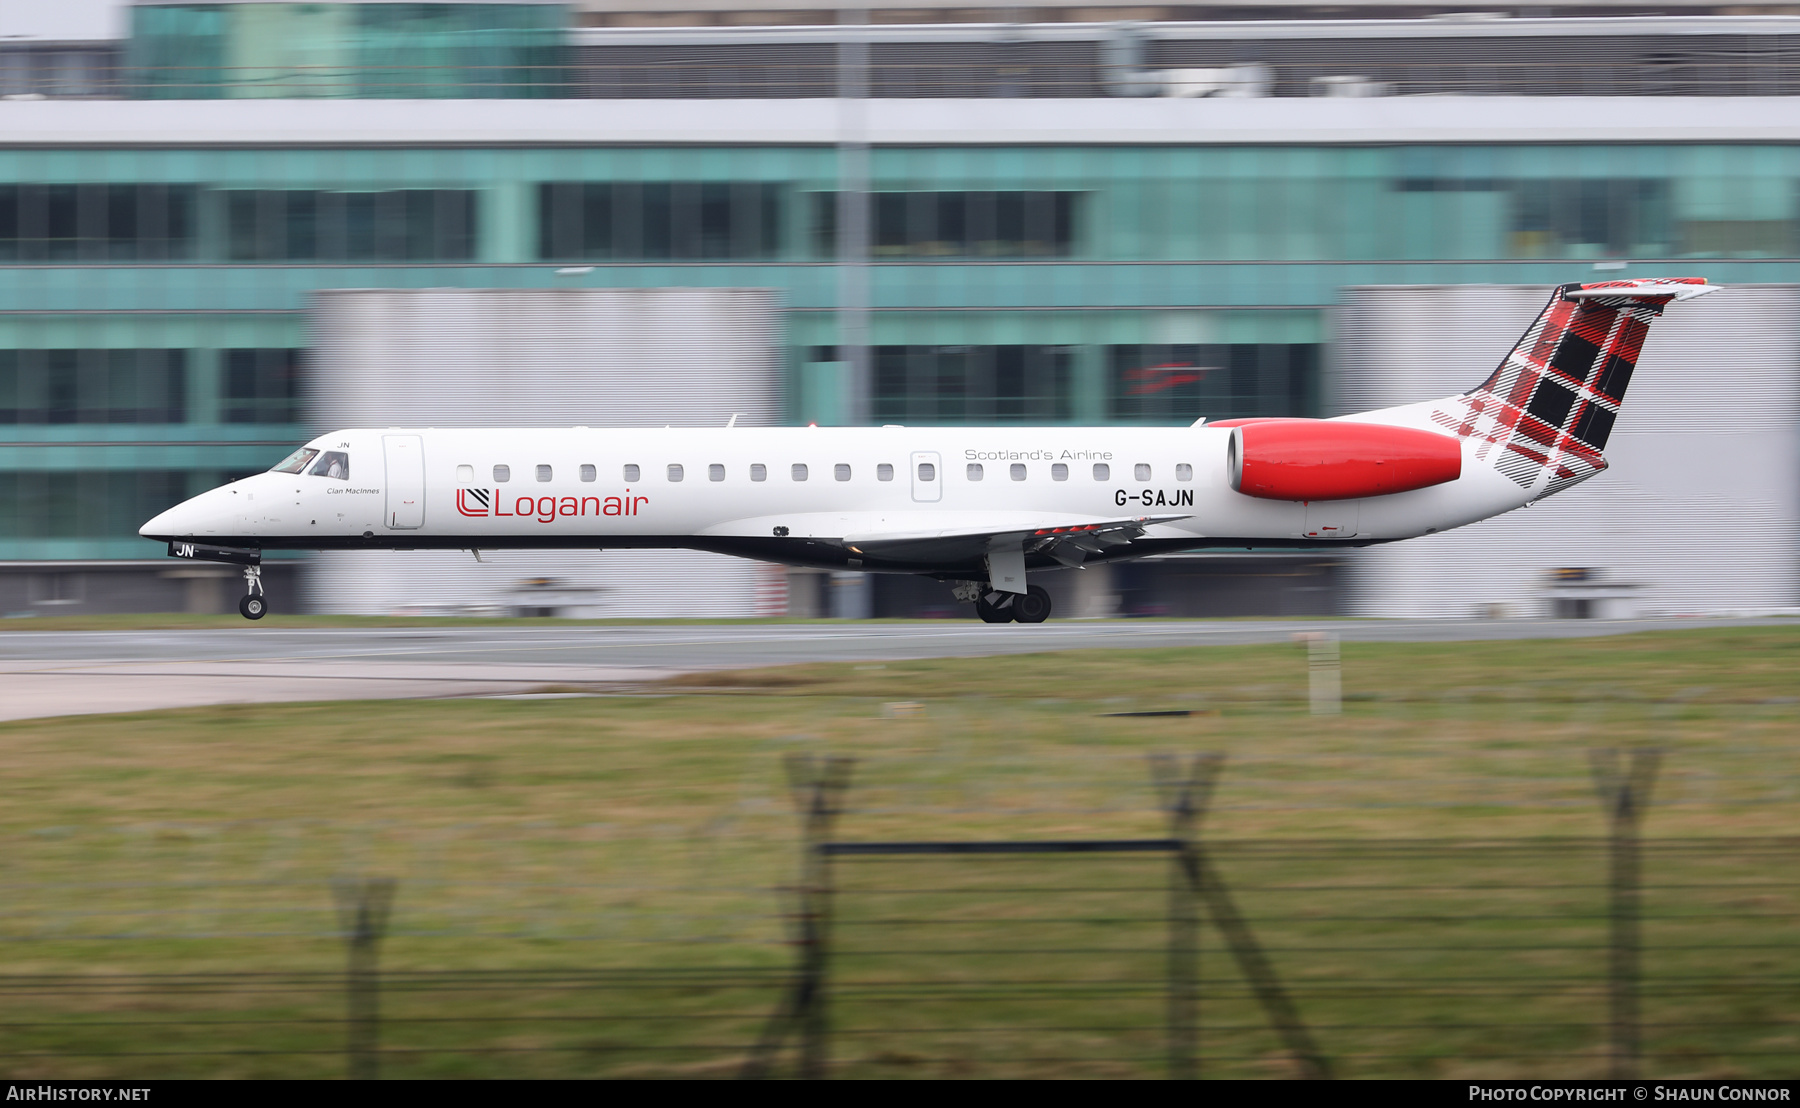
[1318, 459]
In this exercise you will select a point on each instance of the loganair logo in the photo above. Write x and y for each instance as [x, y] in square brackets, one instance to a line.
[494, 504]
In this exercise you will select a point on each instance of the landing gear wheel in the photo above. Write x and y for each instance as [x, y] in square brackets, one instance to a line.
[1033, 607]
[255, 604]
[993, 613]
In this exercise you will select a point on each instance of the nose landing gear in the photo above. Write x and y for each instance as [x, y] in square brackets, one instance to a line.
[255, 603]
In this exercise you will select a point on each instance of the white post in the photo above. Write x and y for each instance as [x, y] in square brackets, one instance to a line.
[1324, 664]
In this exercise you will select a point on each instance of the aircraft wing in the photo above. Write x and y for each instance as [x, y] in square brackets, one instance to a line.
[955, 536]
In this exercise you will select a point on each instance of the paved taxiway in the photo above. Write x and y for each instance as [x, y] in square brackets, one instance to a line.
[47, 673]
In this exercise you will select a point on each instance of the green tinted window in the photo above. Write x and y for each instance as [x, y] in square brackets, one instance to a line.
[96, 222]
[93, 386]
[652, 220]
[973, 384]
[347, 50]
[261, 386]
[85, 504]
[1181, 382]
[424, 225]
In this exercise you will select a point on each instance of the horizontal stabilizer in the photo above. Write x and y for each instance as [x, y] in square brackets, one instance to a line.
[1646, 290]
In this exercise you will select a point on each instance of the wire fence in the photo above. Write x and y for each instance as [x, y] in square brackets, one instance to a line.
[1426, 959]
[171, 951]
[1401, 959]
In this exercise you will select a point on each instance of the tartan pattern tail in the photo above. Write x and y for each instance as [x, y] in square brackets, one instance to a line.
[1545, 414]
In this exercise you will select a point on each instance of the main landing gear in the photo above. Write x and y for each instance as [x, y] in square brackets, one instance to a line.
[255, 604]
[1032, 606]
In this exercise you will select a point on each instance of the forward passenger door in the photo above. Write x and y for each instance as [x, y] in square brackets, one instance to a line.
[405, 458]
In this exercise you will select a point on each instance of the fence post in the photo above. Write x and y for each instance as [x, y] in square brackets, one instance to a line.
[1625, 792]
[1209, 888]
[1183, 798]
[363, 904]
[821, 788]
[818, 788]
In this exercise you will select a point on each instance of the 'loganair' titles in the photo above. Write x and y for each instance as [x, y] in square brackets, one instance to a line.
[483, 503]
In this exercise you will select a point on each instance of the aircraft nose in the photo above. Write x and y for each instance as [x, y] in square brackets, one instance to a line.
[158, 525]
[172, 523]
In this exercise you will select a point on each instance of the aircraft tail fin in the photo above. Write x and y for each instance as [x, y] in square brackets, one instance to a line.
[1544, 416]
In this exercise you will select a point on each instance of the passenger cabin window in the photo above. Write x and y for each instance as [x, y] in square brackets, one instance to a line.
[589, 473]
[884, 472]
[465, 474]
[1018, 471]
[1184, 472]
[334, 464]
[759, 472]
[543, 473]
[296, 461]
[799, 471]
[1059, 472]
[927, 471]
[1102, 471]
[715, 472]
[1141, 471]
[631, 473]
[502, 474]
[675, 472]
[974, 471]
[841, 471]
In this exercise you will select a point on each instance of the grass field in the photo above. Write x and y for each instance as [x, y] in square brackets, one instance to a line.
[591, 886]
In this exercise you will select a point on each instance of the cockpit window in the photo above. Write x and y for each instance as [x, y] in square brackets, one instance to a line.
[334, 463]
[296, 461]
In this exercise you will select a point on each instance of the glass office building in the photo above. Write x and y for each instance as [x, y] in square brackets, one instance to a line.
[154, 282]
[401, 51]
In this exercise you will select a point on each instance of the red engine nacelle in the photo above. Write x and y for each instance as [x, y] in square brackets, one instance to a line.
[1318, 459]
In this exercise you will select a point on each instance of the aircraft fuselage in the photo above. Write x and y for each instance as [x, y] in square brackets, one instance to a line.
[800, 496]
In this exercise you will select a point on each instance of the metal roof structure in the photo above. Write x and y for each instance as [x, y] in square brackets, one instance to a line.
[1139, 122]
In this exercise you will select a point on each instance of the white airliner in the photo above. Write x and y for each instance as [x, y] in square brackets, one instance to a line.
[980, 508]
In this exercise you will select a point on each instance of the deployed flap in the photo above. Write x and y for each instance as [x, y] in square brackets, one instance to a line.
[1045, 527]
[1068, 542]
[908, 524]
[950, 535]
